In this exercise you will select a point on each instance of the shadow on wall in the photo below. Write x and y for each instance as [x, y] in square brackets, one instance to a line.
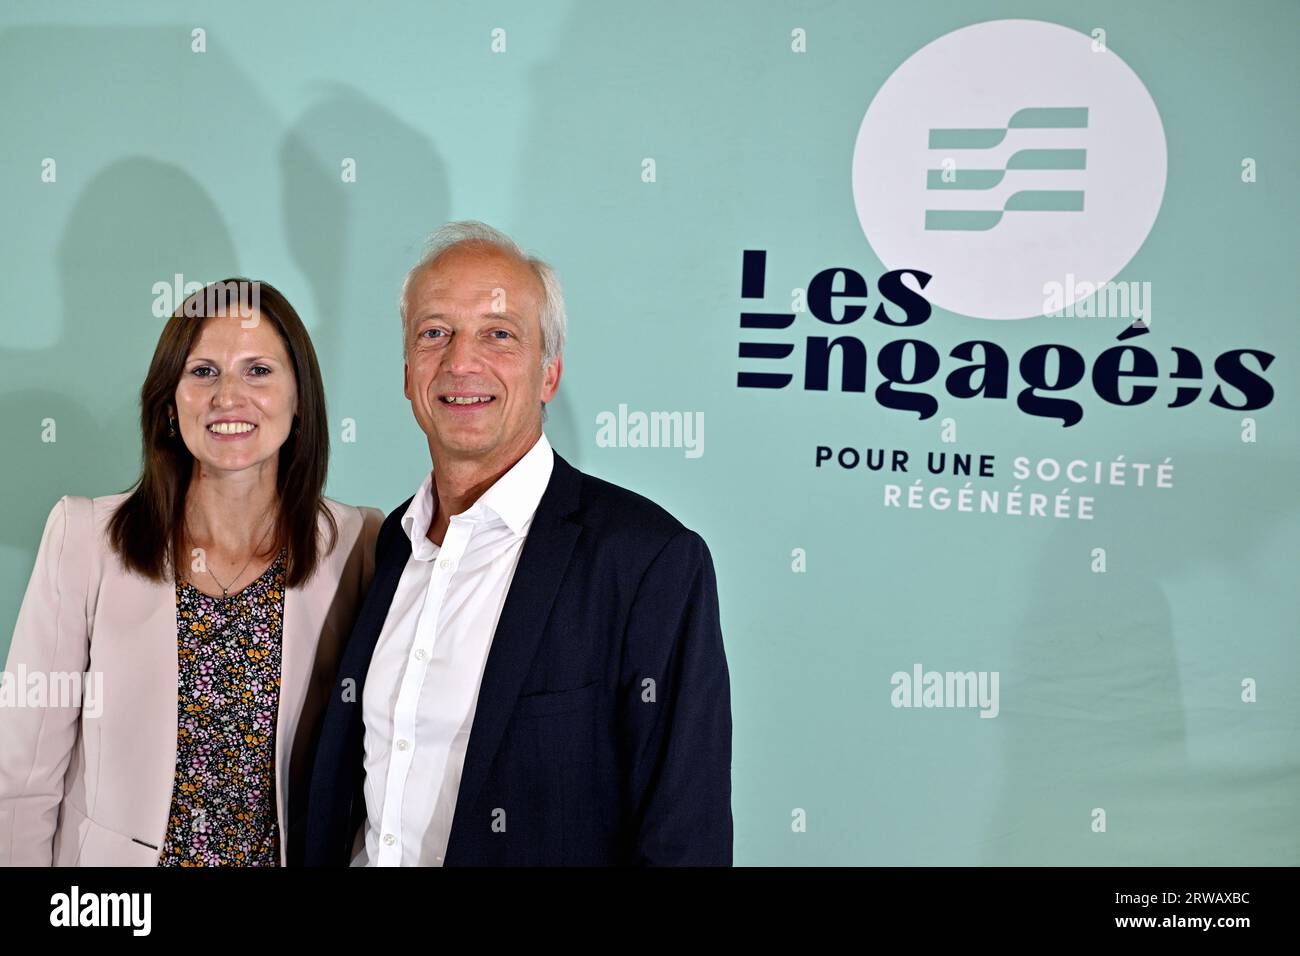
[136, 223]
[1098, 709]
[139, 216]
[592, 117]
[354, 242]
[140, 219]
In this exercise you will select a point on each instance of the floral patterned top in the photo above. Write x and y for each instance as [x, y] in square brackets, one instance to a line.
[223, 808]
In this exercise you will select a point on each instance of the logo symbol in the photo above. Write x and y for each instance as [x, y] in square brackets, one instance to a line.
[1004, 156]
[1024, 200]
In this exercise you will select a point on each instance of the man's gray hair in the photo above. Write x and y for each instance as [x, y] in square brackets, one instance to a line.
[472, 231]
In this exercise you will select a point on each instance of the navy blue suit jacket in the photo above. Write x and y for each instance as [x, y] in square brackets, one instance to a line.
[602, 734]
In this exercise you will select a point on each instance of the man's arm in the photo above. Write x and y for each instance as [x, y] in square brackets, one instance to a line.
[675, 713]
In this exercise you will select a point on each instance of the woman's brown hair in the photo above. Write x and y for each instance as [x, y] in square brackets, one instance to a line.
[146, 529]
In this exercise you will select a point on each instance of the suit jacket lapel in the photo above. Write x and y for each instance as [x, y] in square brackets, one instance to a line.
[541, 568]
[338, 776]
[390, 562]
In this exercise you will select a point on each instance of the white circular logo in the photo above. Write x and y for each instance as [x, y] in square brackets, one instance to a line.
[1007, 159]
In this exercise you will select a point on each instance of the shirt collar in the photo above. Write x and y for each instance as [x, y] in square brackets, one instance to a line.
[513, 498]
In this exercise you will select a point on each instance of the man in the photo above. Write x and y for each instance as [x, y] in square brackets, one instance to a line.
[537, 676]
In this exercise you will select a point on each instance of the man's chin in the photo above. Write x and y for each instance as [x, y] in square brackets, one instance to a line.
[462, 442]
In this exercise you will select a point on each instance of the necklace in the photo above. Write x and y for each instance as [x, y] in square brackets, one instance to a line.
[225, 589]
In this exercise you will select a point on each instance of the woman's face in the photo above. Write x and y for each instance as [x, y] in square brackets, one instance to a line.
[237, 395]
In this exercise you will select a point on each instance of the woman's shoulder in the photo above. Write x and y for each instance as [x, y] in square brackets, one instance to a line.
[106, 505]
[101, 503]
[352, 512]
[81, 513]
[353, 520]
[76, 528]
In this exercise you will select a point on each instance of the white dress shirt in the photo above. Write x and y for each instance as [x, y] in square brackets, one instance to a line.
[422, 687]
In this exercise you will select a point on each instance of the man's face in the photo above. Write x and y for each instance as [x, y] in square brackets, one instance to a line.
[474, 373]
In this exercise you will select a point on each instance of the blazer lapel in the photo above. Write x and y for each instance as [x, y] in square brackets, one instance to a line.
[134, 646]
[390, 562]
[337, 776]
[305, 608]
[304, 616]
[541, 568]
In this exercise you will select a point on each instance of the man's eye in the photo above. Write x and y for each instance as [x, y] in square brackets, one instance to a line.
[501, 332]
[429, 332]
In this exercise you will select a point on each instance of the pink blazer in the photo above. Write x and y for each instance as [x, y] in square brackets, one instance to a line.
[79, 789]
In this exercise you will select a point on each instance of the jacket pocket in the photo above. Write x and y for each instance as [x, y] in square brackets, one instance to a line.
[99, 846]
[557, 701]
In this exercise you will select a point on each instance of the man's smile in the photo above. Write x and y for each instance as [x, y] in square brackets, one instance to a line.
[466, 400]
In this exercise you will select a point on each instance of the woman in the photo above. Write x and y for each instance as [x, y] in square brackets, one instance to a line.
[207, 609]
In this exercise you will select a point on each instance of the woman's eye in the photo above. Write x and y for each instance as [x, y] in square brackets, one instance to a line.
[203, 370]
[260, 370]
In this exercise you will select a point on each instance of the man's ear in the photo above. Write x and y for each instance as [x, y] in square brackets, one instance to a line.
[551, 378]
[406, 380]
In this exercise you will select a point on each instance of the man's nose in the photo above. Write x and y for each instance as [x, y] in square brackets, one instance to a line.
[462, 353]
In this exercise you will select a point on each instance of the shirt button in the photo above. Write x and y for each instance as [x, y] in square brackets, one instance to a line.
[445, 563]
[419, 654]
[438, 858]
[389, 839]
[402, 744]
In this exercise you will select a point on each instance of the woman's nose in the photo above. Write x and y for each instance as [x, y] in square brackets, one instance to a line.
[227, 391]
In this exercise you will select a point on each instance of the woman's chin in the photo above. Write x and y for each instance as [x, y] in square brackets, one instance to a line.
[234, 459]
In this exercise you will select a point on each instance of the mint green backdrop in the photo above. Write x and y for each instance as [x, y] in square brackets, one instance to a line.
[1120, 690]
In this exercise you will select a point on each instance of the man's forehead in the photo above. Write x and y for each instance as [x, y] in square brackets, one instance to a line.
[475, 271]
